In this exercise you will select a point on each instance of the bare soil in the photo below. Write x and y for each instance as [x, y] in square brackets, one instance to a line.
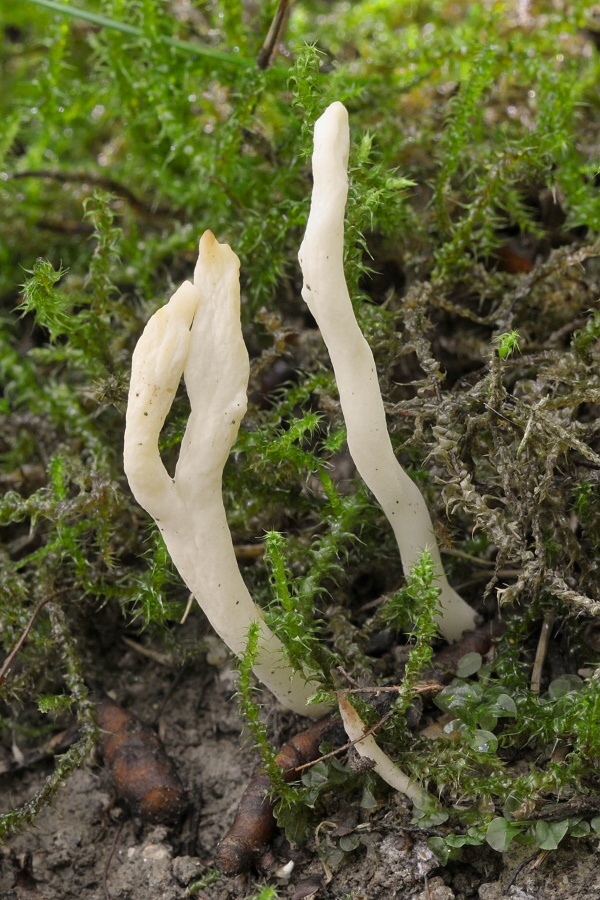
[87, 847]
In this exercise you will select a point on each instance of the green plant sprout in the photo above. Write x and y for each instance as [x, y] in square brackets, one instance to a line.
[507, 344]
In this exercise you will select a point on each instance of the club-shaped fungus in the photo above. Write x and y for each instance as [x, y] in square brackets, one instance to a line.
[198, 334]
[326, 294]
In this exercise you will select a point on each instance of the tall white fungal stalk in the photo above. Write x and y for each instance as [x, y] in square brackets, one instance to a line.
[198, 334]
[326, 294]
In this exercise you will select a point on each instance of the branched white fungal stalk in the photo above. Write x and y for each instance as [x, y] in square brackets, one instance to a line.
[326, 294]
[198, 334]
[367, 747]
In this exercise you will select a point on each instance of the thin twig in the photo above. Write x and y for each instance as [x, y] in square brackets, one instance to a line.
[109, 860]
[540, 653]
[8, 661]
[428, 687]
[163, 659]
[103, 181]
[345, 746]
[187, 610]
[518, 869]
[348, 677]
[249, 551]
[475, 560]
[268, 50]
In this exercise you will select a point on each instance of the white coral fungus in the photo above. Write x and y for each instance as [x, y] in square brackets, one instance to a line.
[198, 334]
[326, 294]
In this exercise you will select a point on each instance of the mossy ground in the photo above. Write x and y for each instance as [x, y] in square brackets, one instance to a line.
[472, 257]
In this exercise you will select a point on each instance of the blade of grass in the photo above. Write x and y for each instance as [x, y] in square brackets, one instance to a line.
[124, 27]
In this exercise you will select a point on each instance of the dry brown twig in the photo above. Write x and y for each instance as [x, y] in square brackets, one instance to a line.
[268, 50]
[11, 656]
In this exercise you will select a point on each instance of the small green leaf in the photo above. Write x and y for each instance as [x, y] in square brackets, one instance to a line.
[349, 842]
[578, 828]
[468, 665]
[434, 817]
[548, 835]
[486, 719]
[457, 840]
[367, 799]
[563, 685]
[428, 813]
[512, 806]
[441, 849]
[483, 741]
[500, 833]
[504, 706]
[458, 696]
[295, 820]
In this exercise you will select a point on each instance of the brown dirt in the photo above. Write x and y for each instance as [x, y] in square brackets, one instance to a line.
[67, 856]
